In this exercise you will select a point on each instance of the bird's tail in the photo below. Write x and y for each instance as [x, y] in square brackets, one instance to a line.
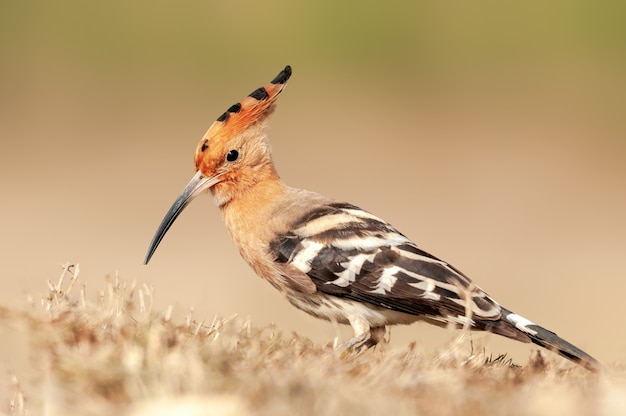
[512, 325]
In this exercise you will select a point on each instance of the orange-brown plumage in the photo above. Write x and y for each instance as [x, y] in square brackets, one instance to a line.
[331, 259]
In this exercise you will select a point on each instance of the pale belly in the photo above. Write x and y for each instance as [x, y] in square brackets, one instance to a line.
[343, 311]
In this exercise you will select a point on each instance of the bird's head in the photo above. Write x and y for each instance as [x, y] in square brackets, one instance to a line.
[232, 155]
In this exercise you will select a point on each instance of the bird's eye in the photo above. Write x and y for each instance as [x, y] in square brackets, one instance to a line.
[232, 155]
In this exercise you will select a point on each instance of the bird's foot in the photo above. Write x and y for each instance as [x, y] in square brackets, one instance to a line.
[362, 342]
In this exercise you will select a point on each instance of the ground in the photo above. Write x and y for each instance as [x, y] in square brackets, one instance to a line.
[117, 354]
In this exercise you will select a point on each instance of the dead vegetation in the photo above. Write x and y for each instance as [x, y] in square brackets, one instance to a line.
[117, 354]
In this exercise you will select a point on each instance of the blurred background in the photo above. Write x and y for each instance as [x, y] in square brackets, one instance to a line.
[493, 135]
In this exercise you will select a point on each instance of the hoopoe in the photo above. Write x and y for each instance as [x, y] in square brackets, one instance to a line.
[332, 259]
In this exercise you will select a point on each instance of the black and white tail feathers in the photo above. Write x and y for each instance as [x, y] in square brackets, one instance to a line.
[514, 326]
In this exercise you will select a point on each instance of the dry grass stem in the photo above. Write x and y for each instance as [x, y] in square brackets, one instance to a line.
[117, 354]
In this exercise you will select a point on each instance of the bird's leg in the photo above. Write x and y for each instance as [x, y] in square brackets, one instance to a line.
[365, 336]
[377, 335]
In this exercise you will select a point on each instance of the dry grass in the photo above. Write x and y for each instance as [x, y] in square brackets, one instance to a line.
[118, 355]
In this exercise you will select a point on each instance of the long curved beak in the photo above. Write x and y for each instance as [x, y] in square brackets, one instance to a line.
[195, 187]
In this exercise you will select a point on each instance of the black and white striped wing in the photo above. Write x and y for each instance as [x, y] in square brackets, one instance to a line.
[348, 252]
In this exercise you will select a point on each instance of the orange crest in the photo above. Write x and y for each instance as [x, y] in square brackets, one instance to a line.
[248, 112]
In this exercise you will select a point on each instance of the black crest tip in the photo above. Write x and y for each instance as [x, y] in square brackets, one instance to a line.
[283, 76]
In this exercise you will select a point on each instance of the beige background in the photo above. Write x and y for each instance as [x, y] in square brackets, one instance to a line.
[498, 145]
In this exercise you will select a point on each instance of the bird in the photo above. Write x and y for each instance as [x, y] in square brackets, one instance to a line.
[329, 258]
